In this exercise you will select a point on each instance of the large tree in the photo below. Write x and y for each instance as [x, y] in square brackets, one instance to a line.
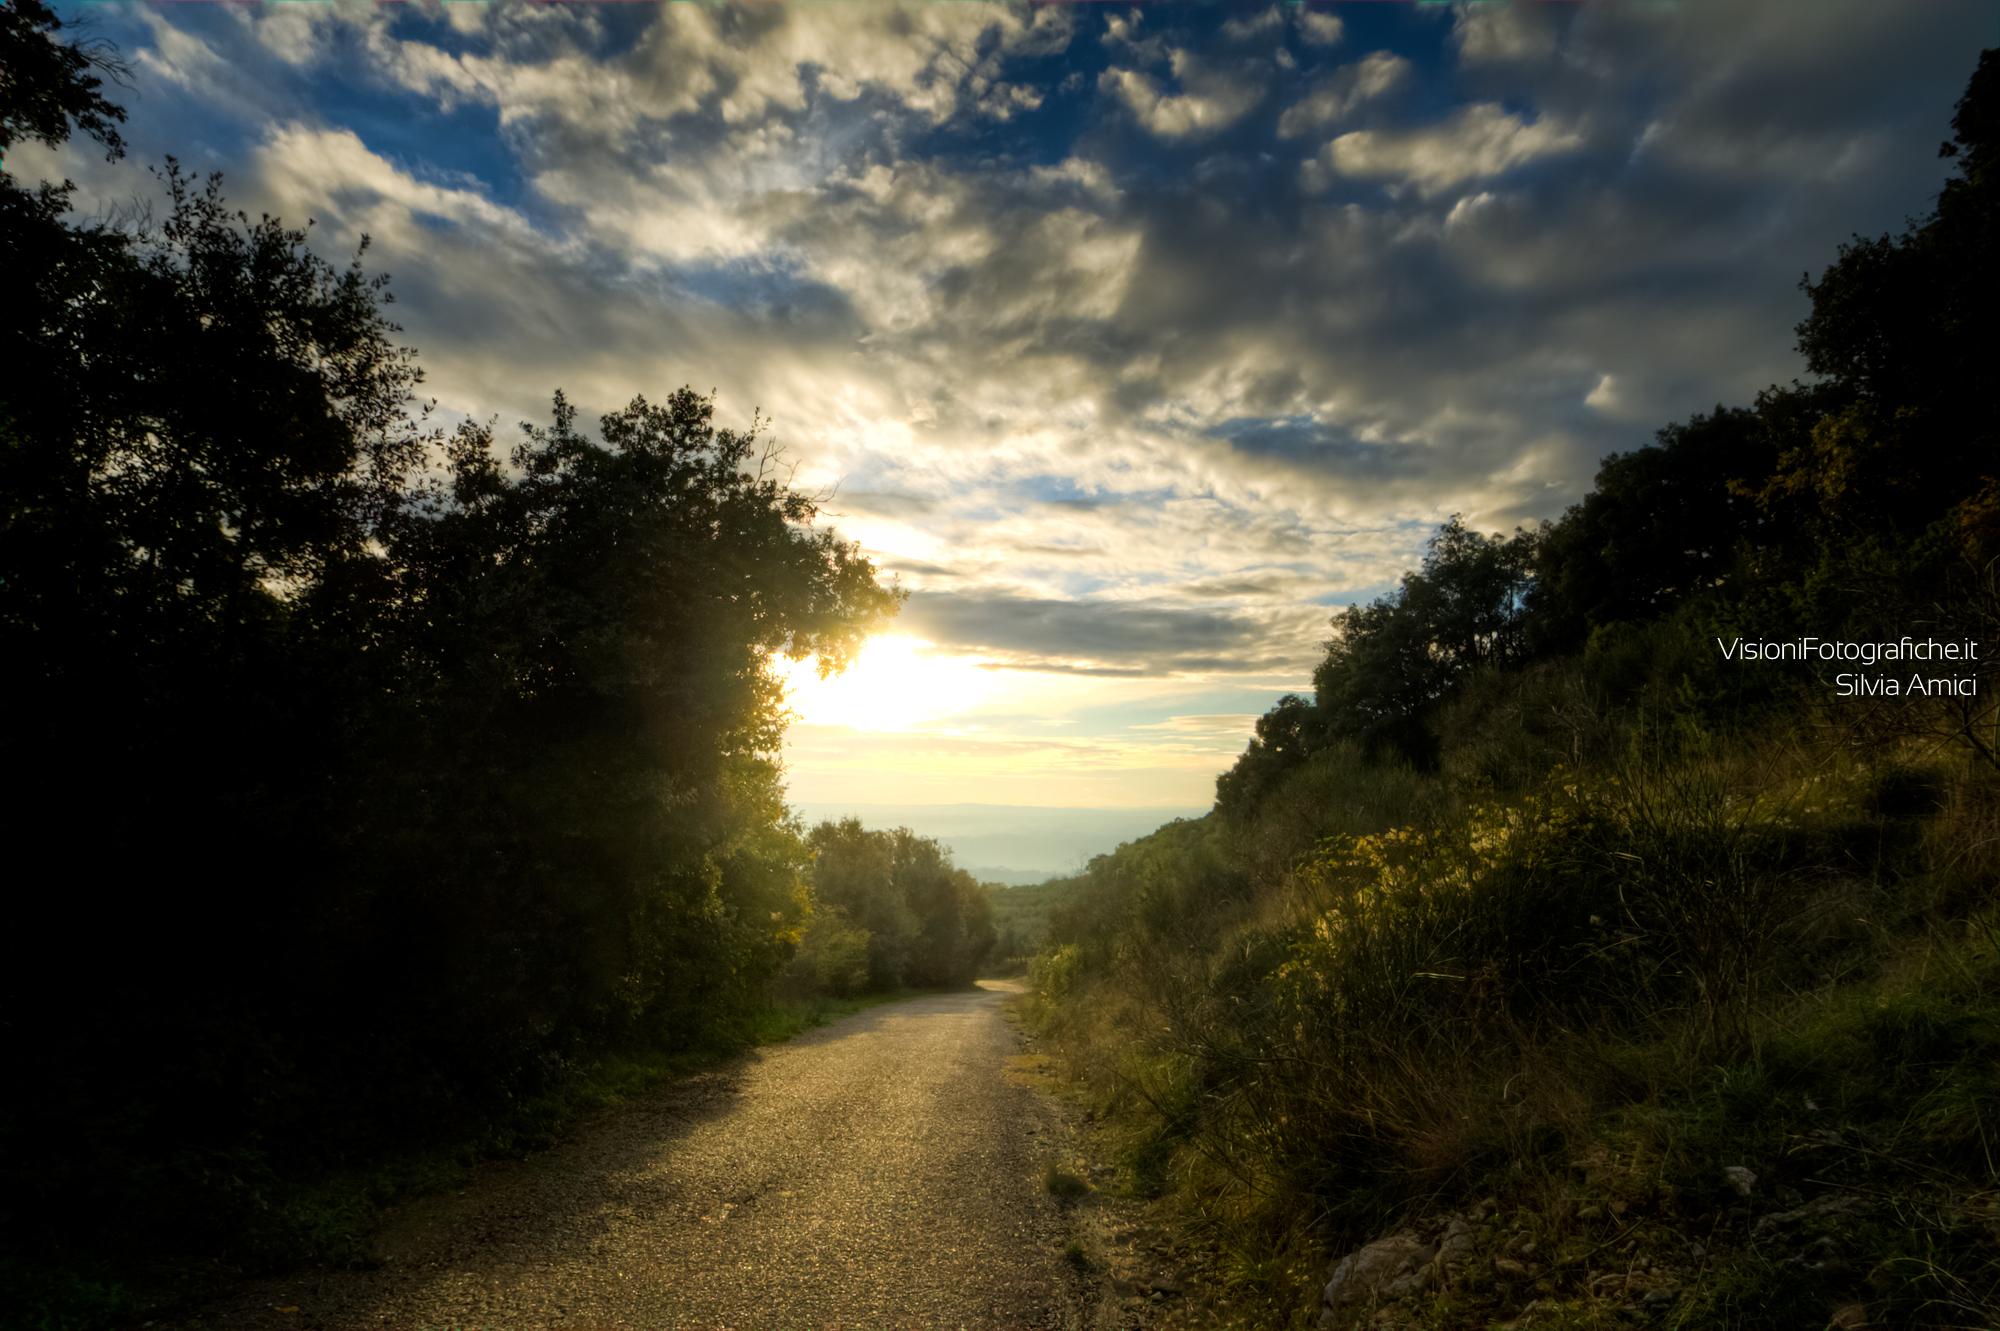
[369, 776]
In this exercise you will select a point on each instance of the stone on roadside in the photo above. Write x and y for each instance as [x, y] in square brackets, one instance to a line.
[1385, 1269]
[1824, 1207]
[1456, 1248]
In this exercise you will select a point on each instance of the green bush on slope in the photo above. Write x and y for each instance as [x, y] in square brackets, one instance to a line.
[1540, 916]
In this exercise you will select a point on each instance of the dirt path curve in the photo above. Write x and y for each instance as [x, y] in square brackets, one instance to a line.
[878, 1174]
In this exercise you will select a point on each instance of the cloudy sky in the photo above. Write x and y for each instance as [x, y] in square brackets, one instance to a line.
[1133, 342]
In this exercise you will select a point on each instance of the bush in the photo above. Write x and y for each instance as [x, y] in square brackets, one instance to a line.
[832, 956]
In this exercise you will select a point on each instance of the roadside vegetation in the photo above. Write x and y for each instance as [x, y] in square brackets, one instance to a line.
[889, 910]
[387, 796]
[1548, 963]
[1021, 918]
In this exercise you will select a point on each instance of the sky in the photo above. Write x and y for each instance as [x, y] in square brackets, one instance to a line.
[1132, 342]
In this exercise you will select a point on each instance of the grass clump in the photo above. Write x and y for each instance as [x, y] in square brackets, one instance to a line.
[1581, 1006]
[1065, 1187]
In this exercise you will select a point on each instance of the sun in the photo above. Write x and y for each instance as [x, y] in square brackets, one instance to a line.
[895, 682]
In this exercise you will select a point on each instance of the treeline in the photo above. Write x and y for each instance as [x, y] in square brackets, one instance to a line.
[1021, 916]
[1860, 503]
[369, 779]
[890, 910]
[1539, 900]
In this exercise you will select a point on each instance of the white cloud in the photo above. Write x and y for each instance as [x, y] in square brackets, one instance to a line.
[1475, 142]
[296, 34]
[1318, 28]
[1254, 25]
[1604, 397]
[1214, 98]
[178, 56]
[936, 60]
[1191, 404]
[1502, 33]
[1339, 94]
[312, 171]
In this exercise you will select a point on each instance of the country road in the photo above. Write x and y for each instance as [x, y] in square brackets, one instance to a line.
[879, 1173]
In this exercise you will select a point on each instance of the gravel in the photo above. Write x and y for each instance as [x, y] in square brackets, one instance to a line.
[876, 1174]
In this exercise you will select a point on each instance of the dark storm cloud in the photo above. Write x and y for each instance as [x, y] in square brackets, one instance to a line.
[1304, 440]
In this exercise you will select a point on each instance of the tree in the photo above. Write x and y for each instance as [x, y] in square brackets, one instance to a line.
[928, 922]
[1896, 481]
[1285, 736]
[46, 85]
[1391, 661]
[1895, 323]
[1660, 526]
[373, 777]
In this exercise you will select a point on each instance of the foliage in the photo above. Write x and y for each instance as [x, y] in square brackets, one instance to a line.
[1660, 526]
[925, 922]
[380, 786]
[1391, 662]
[1021, 916]
[46, 85]
[1536, 900]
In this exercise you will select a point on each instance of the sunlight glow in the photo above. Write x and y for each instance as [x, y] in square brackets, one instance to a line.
[896, 683]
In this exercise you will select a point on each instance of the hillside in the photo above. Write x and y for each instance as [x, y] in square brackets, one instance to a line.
[1555, 964]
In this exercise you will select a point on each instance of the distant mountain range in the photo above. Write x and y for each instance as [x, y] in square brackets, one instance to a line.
[1009, 843]
[987, 873]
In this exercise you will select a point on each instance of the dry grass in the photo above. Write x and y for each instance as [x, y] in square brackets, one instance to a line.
[1585, 1001]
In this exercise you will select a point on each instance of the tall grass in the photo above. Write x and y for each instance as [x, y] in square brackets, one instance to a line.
[1616, 978]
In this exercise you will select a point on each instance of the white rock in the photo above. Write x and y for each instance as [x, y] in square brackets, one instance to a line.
[1386, 1268]
[1456, 1247]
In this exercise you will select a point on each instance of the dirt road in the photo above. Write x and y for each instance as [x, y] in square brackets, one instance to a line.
[878, 1174]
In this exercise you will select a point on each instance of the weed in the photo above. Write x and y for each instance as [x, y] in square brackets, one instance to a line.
[1064, 1186]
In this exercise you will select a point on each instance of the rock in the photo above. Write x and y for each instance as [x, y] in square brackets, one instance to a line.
[1510, 1269]
[1831, 1204]
[1385, 1269]
[1740, 1179]
[1456, 1248]
[1849, 1317]
[1592, 1212]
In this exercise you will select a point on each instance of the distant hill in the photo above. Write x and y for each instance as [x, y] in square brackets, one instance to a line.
[987, 873]
[1010, 843]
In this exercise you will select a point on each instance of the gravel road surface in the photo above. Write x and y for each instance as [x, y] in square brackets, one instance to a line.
[878, 1174]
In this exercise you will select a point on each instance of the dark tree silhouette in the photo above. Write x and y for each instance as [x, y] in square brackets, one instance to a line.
[368, 779]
